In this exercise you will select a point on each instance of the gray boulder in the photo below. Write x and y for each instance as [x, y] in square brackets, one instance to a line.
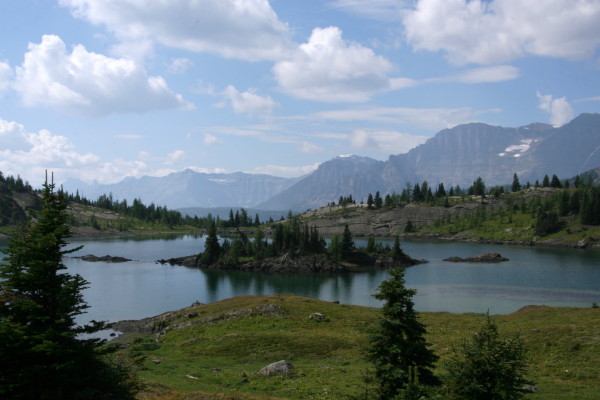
[282, 367]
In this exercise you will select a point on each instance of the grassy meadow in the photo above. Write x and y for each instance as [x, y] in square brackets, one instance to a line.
[214, 351]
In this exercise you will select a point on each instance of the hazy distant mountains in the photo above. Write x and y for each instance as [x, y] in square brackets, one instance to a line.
[454, 156]
[190, 189]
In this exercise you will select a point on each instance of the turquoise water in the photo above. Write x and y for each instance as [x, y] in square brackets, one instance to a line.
[142, 288]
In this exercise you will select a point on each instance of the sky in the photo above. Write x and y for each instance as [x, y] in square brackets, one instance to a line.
[106, 89]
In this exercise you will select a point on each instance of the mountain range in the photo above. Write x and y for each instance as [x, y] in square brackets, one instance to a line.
[455, 156]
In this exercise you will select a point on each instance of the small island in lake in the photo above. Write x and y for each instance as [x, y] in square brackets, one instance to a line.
[294, 248]
[106, 258]
[486, 257]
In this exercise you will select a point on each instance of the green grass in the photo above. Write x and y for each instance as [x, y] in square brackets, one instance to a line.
[221, 349]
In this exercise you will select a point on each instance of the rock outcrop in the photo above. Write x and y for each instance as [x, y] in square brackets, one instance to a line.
[107, 258]
[282, 367]
[481, 258]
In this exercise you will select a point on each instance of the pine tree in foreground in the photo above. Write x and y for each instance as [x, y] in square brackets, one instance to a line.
[398, 343]
[41, 355]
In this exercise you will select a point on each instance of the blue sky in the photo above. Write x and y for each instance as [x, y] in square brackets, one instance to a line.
[104, 89]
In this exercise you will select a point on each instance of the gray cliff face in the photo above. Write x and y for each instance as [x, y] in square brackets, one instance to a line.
[340, 176]
[458, 156]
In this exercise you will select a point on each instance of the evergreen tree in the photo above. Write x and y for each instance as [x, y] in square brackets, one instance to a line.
[555, 183]
[516, 185]
[370, 201]
[416, 197]
[40, 352]
[478, 188]
[371, 248]
[409, 227]
[397, 253]
[546, 181]
[441, 191]
[398, 342]
[347, 244]
[487, 367]
[378, 202]
[212, 248]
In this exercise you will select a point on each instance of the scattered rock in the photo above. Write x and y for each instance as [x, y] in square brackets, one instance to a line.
[486, 257]
[157, 361]
[317, 316]
[244, 380]
[216, 369]
[190, 377]
[282, 367]
[191, 315]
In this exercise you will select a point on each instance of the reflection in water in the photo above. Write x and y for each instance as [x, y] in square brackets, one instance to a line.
[558, 277]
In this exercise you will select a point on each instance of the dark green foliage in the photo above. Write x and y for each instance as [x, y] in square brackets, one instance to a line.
[487, 367]
[516, 185]
[546, 181]
[371, 247]
[555, 183]
[478, 188]
[547, 222]
[378, 202]
[370, 201]
[212, 248]
[590, 206]
[40, 353]
[344, 201]
[398, 342]
[347, 243]
[441, 191]
[398, 254]
[409, 227]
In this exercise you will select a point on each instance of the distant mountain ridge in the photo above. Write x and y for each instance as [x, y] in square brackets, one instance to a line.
[455, 156]
[190, 189]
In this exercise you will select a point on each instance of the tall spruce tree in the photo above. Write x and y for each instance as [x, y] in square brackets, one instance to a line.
[212, 248]
[41, 355]
[398, 342]
[516, 185]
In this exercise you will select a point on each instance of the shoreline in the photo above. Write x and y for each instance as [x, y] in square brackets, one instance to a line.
[583, 244]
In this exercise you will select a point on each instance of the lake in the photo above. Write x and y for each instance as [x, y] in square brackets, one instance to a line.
[143, 288]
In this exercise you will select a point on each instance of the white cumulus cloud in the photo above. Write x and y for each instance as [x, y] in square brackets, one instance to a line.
[559, 109]
[284, 171]
[496, 31]
[29, 154]
[387, 142]
[179, 65]
[90, 84]
[240, 29]
[308, 147]
[175, 157]
[327, 68]
[249, 102]
[211, 139]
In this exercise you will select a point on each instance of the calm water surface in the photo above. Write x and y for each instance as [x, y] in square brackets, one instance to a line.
[142, 288]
